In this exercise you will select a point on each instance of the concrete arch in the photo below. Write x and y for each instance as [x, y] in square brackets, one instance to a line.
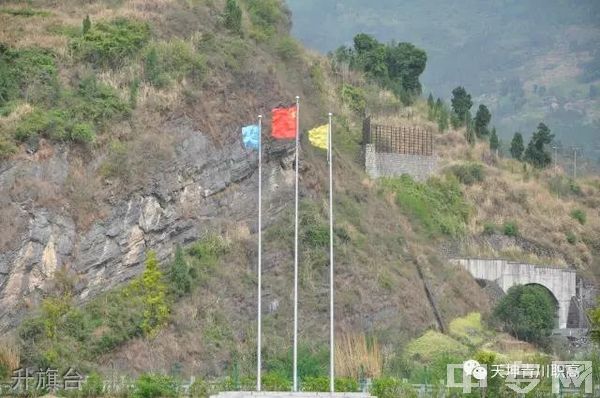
[560, 282]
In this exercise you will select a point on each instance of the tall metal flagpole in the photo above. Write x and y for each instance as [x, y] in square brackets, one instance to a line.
[259, 331]
[296, 252]
[331, 283]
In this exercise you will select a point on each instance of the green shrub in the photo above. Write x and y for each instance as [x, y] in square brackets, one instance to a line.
[315, 384]
[29, 74]
[287, 48]
[579, 215]
[209, 248]
[111, 44]
[265, 15]
[83, 132]
[511, 228]
[321, 384]
[155, 386]
[527, 312]
[200, 389]
[564, 186]
[438, 204]
[86, 25]
[7, 147]
[571, 238]
[96, 102]
[93, 386]
[273, 381]
[489, 228]
[116, 164]
[165, 62]
[180, 274]
[388, 387]
[355, 98]
[346, 384]
[468, 173]
[232, 16]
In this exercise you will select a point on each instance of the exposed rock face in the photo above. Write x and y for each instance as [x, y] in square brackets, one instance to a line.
[189, 196]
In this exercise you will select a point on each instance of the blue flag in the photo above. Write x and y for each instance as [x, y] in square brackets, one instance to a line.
[250, 136]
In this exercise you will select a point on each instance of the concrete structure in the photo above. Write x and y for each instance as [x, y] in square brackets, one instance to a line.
[561, 282]
[251, 394]
[390, 151]
[420, 167]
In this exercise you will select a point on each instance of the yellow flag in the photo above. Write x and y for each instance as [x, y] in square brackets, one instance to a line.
[318, 136]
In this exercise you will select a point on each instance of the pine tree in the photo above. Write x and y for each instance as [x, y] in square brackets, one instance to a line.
[442, 119]
[482, 120]
[461, 103]
[430, 101]
[494, 142]
[180, 275]
[87, 24]
[536, 152]
[516, 146]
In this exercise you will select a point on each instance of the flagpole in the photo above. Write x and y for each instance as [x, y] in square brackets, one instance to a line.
[296, 251]
[259, 331]
[331, 282]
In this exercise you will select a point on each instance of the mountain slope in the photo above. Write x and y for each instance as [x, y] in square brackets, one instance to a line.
[168, 169]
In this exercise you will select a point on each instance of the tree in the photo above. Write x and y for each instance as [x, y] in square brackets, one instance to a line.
[516, 146]
[396, 66]
[536, 152]
[151, 289]
[527, 312]
[482, 120]
[87, 24]
[431, 111]
[442, 118]
[461, 103]
[470, 130]
[180, 274]
[233, 16]
[430, 101]
[494, 141]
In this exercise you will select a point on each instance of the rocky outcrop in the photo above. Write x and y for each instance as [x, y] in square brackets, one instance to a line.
[190, 195]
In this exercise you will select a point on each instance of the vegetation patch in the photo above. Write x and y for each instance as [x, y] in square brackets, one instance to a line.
[165, 62]
[468, 173]
[468, 329]
[437, 204]
[28, 74]
[112, 44]
[62, 334]
[24, 12]
[579, 215]
[434, 344]
[526, 312]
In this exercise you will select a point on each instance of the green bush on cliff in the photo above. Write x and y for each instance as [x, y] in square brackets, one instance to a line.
[438, 204]
[111, 44]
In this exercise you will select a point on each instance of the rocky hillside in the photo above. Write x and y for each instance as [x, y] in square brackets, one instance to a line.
[120, 137]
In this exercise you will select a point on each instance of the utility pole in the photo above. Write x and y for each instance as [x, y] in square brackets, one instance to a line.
[575, 162]
[555, 158]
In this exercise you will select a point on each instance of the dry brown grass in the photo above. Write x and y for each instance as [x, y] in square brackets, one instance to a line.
[10, 357]
[356, 356]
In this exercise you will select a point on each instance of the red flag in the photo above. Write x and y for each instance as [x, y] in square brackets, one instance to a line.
[284, 123]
